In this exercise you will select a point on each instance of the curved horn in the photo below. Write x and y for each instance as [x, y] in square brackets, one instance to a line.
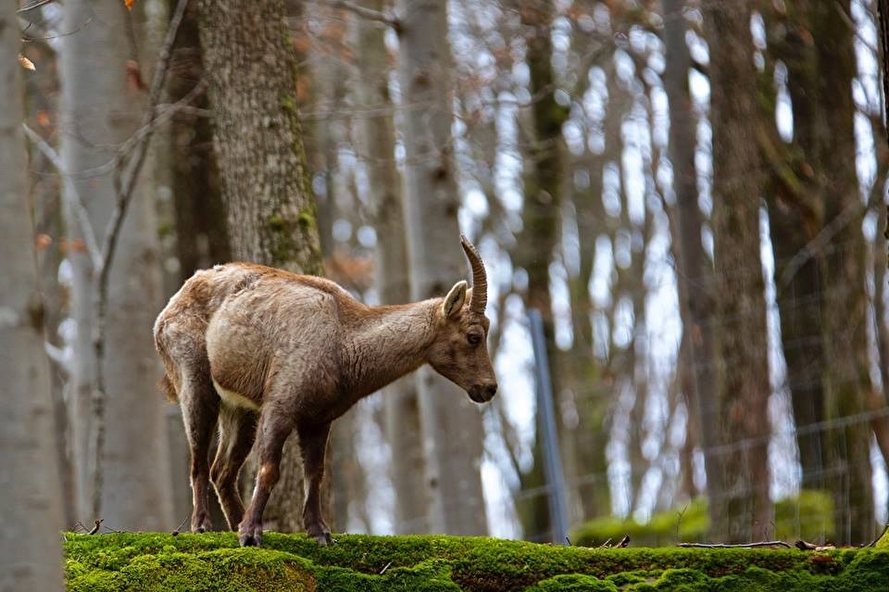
[479, 278]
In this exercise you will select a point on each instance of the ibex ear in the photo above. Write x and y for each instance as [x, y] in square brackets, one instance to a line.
[454, 300]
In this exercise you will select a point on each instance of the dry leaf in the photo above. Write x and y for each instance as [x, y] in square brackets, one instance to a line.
[42, 241]
[42, 118]
[128, 4]
[26, 63]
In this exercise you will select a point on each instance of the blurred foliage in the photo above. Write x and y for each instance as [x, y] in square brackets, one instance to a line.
[808, 516]
[213, 561]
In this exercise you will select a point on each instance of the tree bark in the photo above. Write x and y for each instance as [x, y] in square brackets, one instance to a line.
[741, 506]
[541, 211]
[824, 280]
[843, 273]
[451, 423]
[201, 233]
[694, 270]
[100, 110]
[30, 546]
[265, 184]
[375, 144]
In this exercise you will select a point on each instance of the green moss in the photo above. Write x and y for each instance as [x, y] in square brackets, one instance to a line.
[288, 103]
[883, 541]
[807, 516]
[307, 220]
[213, 561]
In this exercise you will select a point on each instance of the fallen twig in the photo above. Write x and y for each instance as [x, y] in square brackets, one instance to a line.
[736, 545]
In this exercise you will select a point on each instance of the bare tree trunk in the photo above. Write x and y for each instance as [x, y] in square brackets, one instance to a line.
[101, 109]
[42, 90]
[828, 261]
[694, 271]
[30, 546]
[451, 423]
[201, 233]
[741, 504]
[265, 184]
[375, 143]
[541, 213]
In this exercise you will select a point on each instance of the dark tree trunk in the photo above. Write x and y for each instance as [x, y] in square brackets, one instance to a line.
[265, 185]
[741, 509]
[821, 269]
[201, 234]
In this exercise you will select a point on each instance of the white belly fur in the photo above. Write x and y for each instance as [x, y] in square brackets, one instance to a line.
[234, 399]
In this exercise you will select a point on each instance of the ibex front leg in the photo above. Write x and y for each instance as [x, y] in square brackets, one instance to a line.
[273, 432]
[312, 446]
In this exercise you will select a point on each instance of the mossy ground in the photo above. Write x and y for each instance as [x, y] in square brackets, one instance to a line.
[214, 562]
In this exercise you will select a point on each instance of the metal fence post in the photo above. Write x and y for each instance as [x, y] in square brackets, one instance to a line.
[552, 461]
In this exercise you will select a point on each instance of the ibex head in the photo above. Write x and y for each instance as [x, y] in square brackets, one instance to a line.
[460, 354]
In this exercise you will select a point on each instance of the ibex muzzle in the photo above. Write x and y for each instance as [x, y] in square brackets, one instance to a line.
[263, 352]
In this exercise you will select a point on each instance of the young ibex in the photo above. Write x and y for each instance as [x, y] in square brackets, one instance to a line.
[263, 352]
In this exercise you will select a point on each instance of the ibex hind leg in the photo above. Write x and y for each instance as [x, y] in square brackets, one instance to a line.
[200, 409]
[237, 431]
[272, 432]
[312, 446]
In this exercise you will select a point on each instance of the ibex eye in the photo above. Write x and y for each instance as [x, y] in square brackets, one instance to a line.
[473, 338]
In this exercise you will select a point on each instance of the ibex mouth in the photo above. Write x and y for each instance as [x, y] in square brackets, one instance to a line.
[482, 393]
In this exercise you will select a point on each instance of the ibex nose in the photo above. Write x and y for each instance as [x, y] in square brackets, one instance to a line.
[482, 393]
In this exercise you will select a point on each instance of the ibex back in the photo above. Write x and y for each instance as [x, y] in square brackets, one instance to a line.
[263, 352]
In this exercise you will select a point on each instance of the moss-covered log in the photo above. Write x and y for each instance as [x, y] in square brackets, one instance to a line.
[294, 562]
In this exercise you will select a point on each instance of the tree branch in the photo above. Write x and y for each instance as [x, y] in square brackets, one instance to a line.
[71, 196]
[33, 5]
[736, 546]
[364, 12]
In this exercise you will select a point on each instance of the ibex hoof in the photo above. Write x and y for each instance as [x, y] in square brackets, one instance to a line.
[201, 524]
[324, 539]
[250, 537]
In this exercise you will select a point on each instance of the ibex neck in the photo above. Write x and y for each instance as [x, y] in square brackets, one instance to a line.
[388, 343]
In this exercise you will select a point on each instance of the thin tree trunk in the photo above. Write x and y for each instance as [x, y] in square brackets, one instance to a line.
[541, 213]
[694, 271]
[741, 507]
[201, 233]
[451, 423]
[100, 110]
[265, 185]
[41, 90]
[795, 218]
[375, 143]
[828, 202]
[30, 545]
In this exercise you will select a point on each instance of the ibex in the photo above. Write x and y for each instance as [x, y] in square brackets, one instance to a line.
[264, 352]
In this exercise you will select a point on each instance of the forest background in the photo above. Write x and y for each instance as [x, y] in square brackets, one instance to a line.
[691, 195]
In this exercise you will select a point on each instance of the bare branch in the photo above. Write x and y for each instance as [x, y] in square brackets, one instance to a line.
[71, 195]
[819, 242]
[33, 5]
[736, 546]
[364, 12]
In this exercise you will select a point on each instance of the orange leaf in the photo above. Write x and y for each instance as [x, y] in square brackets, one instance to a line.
[128, 4]
[42, 117]
[42, 241]
[26, 63]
